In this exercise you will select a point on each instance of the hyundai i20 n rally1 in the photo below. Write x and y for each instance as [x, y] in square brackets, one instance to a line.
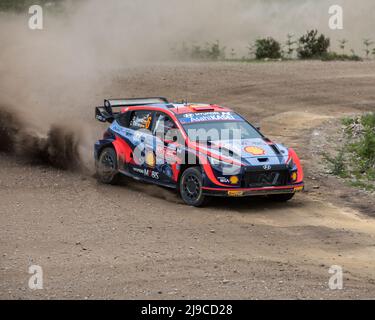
[201, 150]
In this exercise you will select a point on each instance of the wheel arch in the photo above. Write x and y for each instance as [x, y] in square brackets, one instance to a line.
[102, 145]
[185, 166]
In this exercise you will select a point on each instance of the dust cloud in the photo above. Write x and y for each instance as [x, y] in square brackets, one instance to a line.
[53, 78]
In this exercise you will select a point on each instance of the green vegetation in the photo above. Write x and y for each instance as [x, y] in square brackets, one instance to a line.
[309, 46]
[211, 51]
[312, 46]
[267, 48]
[367, 44]
[333, 56]
[355, 160]
[337, 164]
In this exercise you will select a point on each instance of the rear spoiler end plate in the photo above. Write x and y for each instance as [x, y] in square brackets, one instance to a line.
[107, 113]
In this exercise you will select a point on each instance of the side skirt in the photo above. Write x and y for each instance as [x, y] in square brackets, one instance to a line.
[148, 180]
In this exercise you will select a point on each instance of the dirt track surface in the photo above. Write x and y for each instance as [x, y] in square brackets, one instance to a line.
[140, 241]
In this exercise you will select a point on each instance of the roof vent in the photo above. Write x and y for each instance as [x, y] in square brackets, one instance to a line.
[202, 107]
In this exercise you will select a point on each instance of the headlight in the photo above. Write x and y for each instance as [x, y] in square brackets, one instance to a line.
[223, 167]
[290, 164]
[219, 163]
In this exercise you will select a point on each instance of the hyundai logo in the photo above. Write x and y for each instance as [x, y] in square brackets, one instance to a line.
[267, 167]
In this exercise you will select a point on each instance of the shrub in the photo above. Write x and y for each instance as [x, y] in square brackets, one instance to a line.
[356, 158]
[211, 51]
[337, 164]
[333, 56]
[368, 120]
[215, 51]
[267, 48]
[364, 149]
[367, 44]
[312, 46]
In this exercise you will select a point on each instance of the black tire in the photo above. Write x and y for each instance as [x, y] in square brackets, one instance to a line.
[106, 167]
[281, 197]
[191, 187]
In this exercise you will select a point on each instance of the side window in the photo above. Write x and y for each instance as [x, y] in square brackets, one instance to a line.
[140, 120]
[123, 119]
[165, 128]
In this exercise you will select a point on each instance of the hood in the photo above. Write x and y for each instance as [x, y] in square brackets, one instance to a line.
[251, 151]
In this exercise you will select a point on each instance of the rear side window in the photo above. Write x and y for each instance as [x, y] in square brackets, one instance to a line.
[123, 119]
[140, 120]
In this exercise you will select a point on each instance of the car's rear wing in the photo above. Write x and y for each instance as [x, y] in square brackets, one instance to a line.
[112, 107]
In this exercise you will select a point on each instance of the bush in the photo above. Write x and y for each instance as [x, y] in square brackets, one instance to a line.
[215, 51]
[212, 52]
[267, 48]
[333, 56]
[337, 164]
[313, 46]
[368, 121]
[364, 148]
[356, 158]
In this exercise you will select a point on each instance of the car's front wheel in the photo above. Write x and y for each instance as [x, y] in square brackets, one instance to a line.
[191, 187]
[106, 167]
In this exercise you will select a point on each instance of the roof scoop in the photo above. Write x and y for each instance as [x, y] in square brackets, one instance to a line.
[202, 107]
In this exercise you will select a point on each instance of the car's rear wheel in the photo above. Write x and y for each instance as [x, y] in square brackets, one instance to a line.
[106, 167]
[191, 187]
[281, 197]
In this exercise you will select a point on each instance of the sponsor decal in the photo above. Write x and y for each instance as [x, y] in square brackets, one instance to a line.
[209, 116]
[148, 122]
[223, 180]
[234, 179]
[233, 193]
[255, 151]
[147, 173]
[150, 159]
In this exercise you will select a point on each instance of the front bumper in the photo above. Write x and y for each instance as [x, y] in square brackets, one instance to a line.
[247, 192]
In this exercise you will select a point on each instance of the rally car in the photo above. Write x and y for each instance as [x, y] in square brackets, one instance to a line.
[201, 150]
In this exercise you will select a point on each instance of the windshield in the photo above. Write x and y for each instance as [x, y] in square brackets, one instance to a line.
[220, 130]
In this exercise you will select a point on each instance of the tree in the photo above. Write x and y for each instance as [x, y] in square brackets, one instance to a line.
[215, 51]
[312, 46]
[267, 48]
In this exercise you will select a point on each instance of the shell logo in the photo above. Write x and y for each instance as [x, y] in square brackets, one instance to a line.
[256, 151]
[150, 159]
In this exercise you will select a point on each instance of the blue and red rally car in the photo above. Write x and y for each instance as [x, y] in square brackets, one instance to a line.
[201, 150]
